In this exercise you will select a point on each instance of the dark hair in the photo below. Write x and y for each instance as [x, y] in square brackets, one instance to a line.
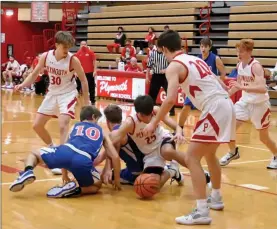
[89, 112]
[171, 40]
[206, 42]
[120, 27]
[65, 38]
[113, 113]
[166, 27]
[144, 104]
[151, 28]
[128, 40]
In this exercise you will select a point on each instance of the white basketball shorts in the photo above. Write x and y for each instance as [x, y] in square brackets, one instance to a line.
[217, 123]
[53, 105]
[259, 113]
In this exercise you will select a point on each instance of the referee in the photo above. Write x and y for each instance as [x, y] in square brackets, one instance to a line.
[157, 63]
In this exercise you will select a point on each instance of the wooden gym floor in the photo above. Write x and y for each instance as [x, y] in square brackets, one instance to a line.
[249, 189]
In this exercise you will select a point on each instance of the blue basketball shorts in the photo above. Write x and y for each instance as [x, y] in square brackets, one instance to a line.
[80, 165]
[187, 102]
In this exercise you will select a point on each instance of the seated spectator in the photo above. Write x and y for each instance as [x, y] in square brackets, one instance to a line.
[12, 69]
[119, 41]
[149, 50]
[127, 53]
[141, 44]
[166, 27]
[133, 66]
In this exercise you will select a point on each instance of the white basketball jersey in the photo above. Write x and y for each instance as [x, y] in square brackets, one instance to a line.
[200, 84]
[147, 144]
[61, 79]
[248, 79]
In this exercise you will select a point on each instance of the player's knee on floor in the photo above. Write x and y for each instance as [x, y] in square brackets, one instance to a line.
[89, 180]
[93, 189]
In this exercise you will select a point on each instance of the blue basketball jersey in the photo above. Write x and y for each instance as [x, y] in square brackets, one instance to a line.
[131, 155]
[88, 137]
[211, 61]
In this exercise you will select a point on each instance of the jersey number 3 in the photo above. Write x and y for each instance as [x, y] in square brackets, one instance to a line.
[91, 132]
[202, 68]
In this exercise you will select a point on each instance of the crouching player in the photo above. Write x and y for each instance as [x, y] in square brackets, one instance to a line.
[77, 156]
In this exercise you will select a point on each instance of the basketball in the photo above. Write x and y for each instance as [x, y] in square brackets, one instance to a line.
[147, 185]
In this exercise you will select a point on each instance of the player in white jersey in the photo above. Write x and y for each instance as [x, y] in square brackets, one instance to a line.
[158, 147]
[62, 93]
[216, 124]
[254, 104]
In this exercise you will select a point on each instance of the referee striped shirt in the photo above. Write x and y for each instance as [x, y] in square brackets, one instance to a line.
[157, 62]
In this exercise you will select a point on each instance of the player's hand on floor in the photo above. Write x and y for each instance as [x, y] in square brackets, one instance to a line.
[66, 179]
[117, 186]
[18, 87]
[106, 177]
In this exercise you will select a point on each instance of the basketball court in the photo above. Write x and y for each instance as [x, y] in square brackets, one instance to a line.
[249, 189]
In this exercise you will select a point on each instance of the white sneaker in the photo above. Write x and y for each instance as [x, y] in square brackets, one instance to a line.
[215, 204]
[9, 86]
[179, 177]
[57, 171]
[140, 52]
[273, 163]
[196, 217]
[225, 160]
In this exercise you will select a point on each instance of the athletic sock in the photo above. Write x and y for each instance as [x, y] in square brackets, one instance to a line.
[215, 193]
[28, 168]
[202, 205]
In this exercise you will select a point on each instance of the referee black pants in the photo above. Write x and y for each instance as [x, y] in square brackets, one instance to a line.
[91, 87]
[158, 81]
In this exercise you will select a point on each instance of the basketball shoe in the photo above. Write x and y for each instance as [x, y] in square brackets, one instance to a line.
[225, 160]
[273, 163]
[215, 203]
[24, 178]
[179, 177]
[70, 189]
[195, 218]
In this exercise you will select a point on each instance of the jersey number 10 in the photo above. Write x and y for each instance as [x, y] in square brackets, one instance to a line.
[91, 132]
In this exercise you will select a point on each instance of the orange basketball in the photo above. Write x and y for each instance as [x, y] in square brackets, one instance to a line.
[147, 185]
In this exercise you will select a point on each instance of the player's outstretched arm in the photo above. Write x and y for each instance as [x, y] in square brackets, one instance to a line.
[100, 158]
[113, 155]
[76, 65]
[172, 76]
[34, 74]
[124, 129]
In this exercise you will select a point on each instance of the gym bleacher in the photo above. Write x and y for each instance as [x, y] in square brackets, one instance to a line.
[229, 22]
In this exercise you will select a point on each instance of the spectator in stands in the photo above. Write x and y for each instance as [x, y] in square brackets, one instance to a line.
[157, 64]
[127, 53]
[133, 66]
[141, 44]
[149, 50]
[119, 41]
[88, 62]
[12, 69]
[216, 66]
[166, 27]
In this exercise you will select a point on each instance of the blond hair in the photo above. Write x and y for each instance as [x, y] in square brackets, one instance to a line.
[65, 38]
[247, 44]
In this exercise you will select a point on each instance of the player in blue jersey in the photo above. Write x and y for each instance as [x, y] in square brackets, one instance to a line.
[77, 156]
[128, 151]
[215, 64]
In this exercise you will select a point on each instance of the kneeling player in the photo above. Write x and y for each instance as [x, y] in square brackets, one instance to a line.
[128, 152]
[76, 156]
